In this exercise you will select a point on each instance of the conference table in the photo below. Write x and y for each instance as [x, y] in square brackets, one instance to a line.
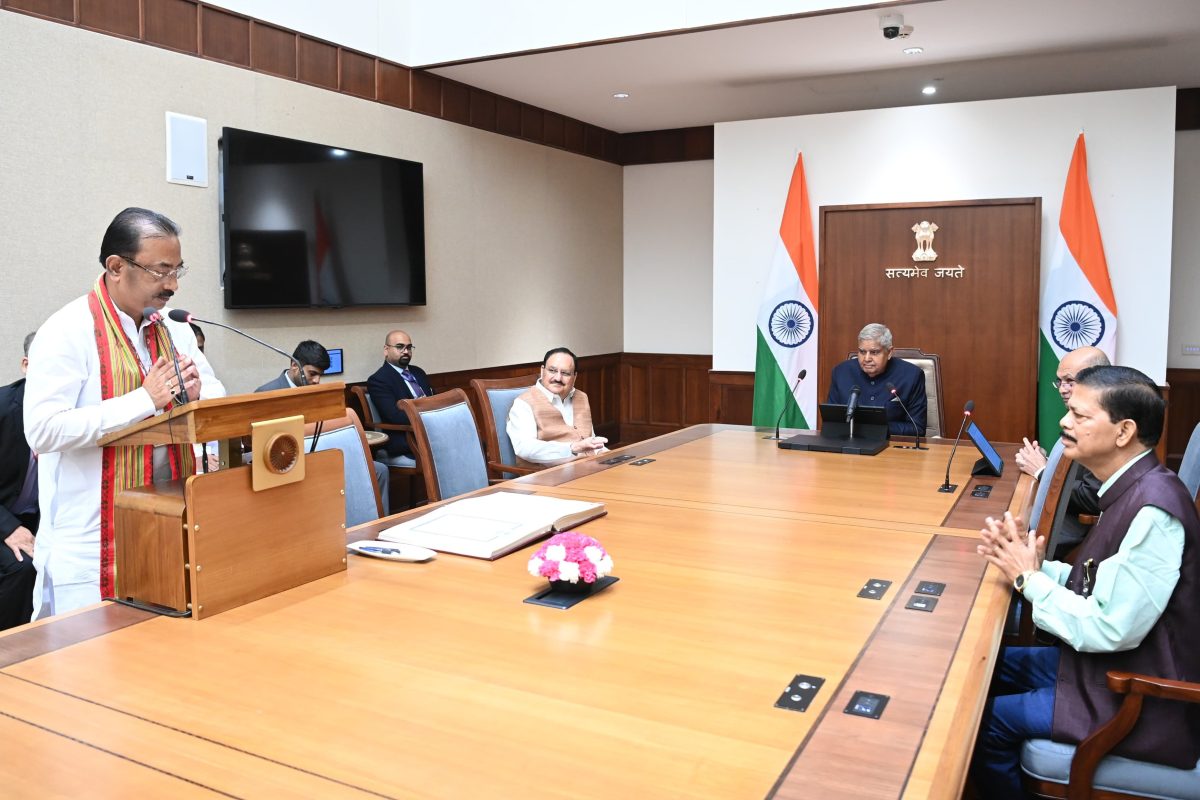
[740, 567]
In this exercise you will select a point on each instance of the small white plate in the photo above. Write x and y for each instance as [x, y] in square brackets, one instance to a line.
[391, 551]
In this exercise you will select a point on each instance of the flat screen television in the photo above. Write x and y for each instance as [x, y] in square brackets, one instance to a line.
[309, 225]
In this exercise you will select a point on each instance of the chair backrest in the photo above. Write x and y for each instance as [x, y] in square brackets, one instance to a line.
[363, 503]
[1050, 502]
[370, 413]
[447, 444]
[495, 396]
[931, 365]
[1189, 468]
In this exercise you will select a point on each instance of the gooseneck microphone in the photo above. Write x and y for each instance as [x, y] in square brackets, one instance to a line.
[152, 314]
[947, 486]
[852, 403]
[783, 411]
[891, 387]
[179, 315]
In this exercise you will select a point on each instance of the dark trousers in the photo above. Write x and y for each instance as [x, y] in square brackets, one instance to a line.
[1023, 708]
[16, 588]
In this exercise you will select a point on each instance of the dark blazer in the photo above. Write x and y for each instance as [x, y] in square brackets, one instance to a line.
[387, 388]
[279, 383]
[14, 458]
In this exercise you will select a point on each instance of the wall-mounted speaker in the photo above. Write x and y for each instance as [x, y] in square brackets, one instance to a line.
[187, 151]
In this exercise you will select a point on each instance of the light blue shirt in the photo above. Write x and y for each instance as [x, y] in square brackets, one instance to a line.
[1130, 591]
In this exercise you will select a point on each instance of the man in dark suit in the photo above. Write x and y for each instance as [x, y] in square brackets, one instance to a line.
[309, 357]
[18, 506]
[397, 380]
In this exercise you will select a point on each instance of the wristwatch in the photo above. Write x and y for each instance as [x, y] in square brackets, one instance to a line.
[1020, 581]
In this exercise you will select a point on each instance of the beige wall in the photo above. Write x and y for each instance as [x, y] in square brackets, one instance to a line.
[524, 243]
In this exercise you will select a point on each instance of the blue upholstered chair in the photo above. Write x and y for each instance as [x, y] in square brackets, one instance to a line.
[1066, 771]
[404, 465]
[1189, 468]
[447, 444]
[363, 503]
[495, 397]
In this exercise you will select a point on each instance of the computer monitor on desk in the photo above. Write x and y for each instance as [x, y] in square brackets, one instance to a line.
[865, 435]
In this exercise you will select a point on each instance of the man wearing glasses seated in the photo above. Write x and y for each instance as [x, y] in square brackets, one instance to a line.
[551, 423]
[397, 380]
[101, 362]
[875, 372]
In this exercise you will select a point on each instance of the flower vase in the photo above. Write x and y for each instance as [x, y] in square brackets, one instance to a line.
[566, 587]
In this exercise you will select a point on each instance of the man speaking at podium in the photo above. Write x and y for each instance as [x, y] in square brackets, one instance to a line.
[99, 363]
[872, 372]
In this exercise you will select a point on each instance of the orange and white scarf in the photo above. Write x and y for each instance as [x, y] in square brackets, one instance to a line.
[121, 372]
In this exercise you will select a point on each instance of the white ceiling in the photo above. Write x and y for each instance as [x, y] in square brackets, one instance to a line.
[974, 50]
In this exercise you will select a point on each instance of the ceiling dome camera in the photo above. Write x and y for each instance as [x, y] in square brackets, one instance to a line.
[893, 26]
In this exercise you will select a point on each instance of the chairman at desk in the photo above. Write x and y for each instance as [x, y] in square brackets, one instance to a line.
[874, 372]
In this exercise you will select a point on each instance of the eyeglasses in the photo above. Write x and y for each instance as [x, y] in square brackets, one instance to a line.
[563, 373]
[1060, 383]
[403, 347]
[178, 272]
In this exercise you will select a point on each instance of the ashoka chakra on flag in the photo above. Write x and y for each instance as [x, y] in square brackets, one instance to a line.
[1076, 324]
[791, 323]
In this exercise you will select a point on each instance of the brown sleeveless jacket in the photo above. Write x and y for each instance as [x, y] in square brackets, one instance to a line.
[551, 427]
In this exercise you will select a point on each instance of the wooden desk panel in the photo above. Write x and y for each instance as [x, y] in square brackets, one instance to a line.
[434, 680]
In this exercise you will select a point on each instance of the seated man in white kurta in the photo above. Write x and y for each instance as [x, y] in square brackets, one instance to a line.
[551, 423]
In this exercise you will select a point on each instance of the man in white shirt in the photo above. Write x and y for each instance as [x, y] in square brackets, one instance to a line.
[551, 423]
[99, 363]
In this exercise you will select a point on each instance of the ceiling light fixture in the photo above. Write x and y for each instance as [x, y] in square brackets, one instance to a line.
[913, 51]
[929, 90]
[621, 95]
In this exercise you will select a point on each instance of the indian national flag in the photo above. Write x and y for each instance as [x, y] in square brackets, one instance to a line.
[1078, 306]
[787, 319]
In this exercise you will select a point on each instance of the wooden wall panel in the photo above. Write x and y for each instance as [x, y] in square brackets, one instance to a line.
[357, 74]
[997, 242]
[63, 10]
[456, 102]
[317, 62]
[121, 17]
[731, 397]
[508, 116]
[224, 37]
[273, 50]
[553, 132]
[483, 110]
[573, 136]
[427, 93]
[172, 23]
[394, 85]
[532, 122]
[1183, 412]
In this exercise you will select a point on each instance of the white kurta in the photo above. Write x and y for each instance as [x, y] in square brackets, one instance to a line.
[64, 418]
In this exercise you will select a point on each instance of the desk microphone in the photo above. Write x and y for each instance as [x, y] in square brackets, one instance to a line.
[779, 419]
[891, 387]
[947, 486]
[179, 315]
[852, 403]
[155, 318]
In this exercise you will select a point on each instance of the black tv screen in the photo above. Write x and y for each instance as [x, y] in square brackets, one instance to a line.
[309, 225]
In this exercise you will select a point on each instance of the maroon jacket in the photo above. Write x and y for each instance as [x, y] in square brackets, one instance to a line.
[1167, 732]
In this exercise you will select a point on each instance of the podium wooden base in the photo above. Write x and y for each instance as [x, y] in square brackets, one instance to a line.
[213, 543]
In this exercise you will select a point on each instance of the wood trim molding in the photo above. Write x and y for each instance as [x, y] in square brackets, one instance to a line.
[217, 34]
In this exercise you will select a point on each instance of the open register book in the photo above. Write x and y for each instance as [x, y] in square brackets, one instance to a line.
[492, 525]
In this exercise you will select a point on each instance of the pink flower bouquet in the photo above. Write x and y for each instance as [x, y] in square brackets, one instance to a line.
[570, 557]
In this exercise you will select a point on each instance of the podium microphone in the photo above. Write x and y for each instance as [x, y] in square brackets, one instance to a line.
[151, 313]
[179, 315]
[852, 403]
[779, 419]
[947, 486]
[891, 387]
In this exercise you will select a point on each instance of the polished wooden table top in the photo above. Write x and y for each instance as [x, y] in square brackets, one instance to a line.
[739, 568]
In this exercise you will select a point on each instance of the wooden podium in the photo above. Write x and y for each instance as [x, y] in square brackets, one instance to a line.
[210, 542]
